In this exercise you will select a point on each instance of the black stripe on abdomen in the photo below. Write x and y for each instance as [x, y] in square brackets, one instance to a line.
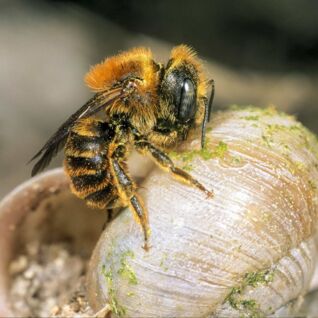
[83, 163]
[102, 197]
[90, 180]
[78, 144]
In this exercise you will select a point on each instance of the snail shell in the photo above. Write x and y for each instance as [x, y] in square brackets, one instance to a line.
[247, 251]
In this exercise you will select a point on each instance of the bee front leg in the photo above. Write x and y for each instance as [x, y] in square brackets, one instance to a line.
[127, 193]
[166, 163]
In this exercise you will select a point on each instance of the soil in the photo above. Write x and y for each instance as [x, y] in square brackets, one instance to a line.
[48, 281]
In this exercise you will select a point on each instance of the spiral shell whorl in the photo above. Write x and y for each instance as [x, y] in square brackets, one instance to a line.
[262, 166]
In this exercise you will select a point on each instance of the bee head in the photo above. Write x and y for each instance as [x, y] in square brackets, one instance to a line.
[180, 89]
[183, 86]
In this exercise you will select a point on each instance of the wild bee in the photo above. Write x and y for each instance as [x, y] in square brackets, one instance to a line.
[145, 105]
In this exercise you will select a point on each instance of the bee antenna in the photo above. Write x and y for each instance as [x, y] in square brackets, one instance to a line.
[212, 83]
[207, 112]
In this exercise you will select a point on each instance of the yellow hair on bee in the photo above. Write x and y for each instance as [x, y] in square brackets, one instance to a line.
[137, 62]
[77, 172]
[185, 54]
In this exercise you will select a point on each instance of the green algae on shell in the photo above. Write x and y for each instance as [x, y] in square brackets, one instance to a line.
[125, 269]
[109, 269]
[247, 307]
[115, 307]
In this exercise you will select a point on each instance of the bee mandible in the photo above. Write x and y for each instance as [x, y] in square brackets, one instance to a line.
[145, 105]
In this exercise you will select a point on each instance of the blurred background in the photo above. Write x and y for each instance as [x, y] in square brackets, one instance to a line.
[258, 52]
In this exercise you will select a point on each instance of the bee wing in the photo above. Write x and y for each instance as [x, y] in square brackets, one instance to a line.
[58, 140]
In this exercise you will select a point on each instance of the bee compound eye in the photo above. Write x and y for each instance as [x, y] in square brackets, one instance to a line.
[179, 90]
[187, 105]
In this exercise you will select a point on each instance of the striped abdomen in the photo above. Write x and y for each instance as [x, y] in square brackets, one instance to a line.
[87, 164]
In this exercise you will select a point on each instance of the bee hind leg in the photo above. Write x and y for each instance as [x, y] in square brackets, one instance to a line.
[166, 163]
[109, 217]
[127, 193]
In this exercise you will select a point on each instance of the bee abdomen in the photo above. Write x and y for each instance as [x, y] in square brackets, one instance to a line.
[97, 189]
[90, 183]
[89, 180]
[86, 162]
[77, 166]
[89, 137]
[84, 146]
[102, 198]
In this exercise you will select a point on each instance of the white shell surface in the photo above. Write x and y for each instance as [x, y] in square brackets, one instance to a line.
[262, 167]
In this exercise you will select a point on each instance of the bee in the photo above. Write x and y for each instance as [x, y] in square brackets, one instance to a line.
[145, 105]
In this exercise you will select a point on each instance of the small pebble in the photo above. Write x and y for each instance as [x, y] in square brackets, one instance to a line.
[48, 281]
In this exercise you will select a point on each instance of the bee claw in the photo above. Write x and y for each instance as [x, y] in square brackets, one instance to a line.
[209, 194]
[146, 247]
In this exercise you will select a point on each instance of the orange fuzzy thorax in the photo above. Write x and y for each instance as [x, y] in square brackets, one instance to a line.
[144, 105]
[137, 62]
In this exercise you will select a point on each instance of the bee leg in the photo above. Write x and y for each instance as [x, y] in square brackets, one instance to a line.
[112, 210]
[109, 217]
[110, 214]
[106, 221]
[166, 163]
[142, 218]
[126, 189]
